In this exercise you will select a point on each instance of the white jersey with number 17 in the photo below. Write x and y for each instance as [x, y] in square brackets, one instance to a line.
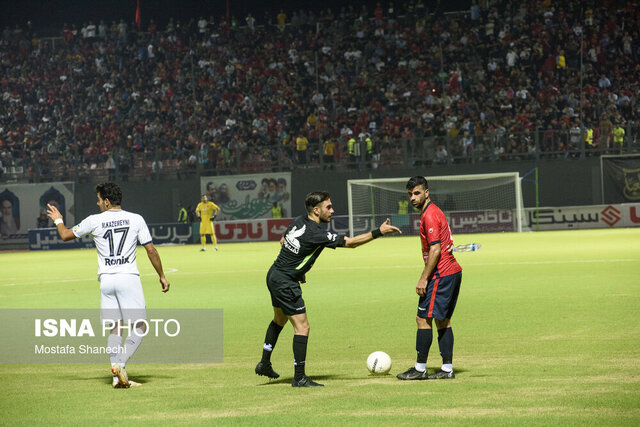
[116, 234]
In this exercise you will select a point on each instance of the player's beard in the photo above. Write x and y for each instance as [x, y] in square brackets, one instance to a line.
[324, 219]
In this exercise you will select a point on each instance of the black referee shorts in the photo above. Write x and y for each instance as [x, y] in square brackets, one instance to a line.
[285, 293]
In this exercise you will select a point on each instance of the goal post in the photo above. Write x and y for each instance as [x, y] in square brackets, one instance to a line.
[472, 203]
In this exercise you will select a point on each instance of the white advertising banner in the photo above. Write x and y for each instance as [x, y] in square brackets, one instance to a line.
[21, 206]
[248, 196]
[581, 217]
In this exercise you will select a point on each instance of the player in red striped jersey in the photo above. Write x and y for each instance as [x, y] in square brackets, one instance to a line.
[438, 286]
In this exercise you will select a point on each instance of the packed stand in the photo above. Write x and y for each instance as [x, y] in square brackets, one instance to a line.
[348, 88]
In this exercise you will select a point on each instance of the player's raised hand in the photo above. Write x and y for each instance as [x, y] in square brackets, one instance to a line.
[165, 284]
[387, 228]
[53, 213]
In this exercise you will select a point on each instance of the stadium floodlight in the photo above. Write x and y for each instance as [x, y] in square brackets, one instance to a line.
[373, 200]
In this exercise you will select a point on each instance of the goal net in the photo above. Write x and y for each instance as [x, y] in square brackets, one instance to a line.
[479, 203]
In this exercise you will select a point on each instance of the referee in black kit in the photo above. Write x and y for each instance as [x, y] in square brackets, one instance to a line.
[302, 244]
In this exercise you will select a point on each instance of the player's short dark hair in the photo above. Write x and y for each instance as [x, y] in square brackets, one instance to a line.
[417, 180]
[111, 191]
[314, 198]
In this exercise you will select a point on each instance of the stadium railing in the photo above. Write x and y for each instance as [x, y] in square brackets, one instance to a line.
[496, 146]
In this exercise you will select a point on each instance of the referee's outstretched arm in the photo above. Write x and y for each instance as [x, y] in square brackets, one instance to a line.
[361, 239]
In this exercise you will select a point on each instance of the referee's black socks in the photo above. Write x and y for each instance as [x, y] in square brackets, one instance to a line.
[273, 331]
[299, 354]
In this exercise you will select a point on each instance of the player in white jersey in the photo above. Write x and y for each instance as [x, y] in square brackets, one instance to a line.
[116, 234]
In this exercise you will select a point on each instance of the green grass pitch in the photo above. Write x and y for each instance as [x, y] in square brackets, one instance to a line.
[547, 331]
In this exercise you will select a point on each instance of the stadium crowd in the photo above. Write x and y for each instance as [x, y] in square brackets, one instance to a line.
[501, 80]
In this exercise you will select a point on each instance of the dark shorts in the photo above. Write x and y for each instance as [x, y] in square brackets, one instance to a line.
[285, 293]
[441, 297]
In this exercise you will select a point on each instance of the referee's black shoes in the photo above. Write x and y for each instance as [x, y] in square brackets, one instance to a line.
[305, 382]
[442, 375]
[266, 370]
[413, 374]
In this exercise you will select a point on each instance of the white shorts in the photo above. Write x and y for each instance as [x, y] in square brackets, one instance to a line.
[121, 298]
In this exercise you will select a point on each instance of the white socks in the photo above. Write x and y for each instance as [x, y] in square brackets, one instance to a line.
[423, 367]
[114, 342]
[131, 344]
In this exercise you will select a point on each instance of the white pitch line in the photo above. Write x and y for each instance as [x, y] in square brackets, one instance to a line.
[169, 270]
[577, 261]
[385, 267]
[362, 267]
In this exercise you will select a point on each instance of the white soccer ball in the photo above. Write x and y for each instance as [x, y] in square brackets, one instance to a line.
[379, 363]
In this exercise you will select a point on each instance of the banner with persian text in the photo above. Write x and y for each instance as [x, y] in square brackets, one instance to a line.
[248, 196]
[48, 238]
[490, 221]
[583, 217]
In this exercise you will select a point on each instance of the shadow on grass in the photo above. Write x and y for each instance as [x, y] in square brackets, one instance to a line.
[106, 379]
[288, 380]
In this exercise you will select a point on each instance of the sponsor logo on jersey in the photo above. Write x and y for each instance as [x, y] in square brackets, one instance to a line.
[291, 241]
[331, 236]
[116, 261]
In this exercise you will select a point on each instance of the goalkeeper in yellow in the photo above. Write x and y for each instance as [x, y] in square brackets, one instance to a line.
[206, 211]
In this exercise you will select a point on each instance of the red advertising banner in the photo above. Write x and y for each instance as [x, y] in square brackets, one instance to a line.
[276, 228]
[251, 230]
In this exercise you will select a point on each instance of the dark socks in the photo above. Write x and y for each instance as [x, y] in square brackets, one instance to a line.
[299, 354]
[445, 342]
[273, 331]
[423, 343]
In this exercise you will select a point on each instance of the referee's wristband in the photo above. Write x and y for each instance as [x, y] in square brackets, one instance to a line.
[376, 233]
[58, 221]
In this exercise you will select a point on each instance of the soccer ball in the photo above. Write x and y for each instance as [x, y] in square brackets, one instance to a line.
[379, 363]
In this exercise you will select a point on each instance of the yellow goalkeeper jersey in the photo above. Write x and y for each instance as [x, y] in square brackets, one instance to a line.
[206, 210]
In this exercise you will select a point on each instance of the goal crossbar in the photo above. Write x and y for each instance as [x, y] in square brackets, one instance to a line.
[459, 184]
